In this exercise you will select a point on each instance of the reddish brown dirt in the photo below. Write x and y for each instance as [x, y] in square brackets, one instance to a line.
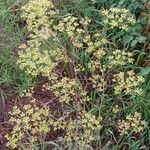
[43, 98]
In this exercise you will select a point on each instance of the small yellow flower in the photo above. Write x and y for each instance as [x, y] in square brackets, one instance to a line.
[132, 123]
[67, 90]
[118, 17]
[82, 129]
[128, 83]
[120, 58]
[115, 109]
[28, 120]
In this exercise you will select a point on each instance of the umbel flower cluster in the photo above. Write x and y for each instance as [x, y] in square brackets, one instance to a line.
[118, 18]
[29, 123]
[83, 130]
[128, 83]
[67, 90]
[120, 58]
[132, 123]
[35, 62]
[75, 29]
[39, 19]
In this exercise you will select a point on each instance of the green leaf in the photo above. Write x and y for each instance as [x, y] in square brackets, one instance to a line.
[133, 43]
[127, 39]
[145, 71]
[121, 2]
[141, 39]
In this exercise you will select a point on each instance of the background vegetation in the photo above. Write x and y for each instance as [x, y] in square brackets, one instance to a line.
[83, 73]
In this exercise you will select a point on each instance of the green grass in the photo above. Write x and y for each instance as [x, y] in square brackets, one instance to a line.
[12, 80]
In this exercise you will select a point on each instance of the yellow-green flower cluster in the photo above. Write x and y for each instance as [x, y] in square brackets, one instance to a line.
[94, 44]
[59, 124]
[132, 123]
[115, 109]
[128, 83]
[98, 82]
[120, 58]
[95, 62]
[32, 59]
[79, 35]
[67, 90]
[37, 14]
[28, 122]
[28, 92]
[94, 65]
[83, 130]
[34, 62]
[99, 53]
[118, 17]
[75, 29]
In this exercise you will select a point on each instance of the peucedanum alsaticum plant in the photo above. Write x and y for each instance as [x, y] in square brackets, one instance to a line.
[35, 62]
[118, 18]
[79, 36]
[132, 123]
[67, 90]
[39, 17]
[70, 26]
[31, 58]
[128, 82]
[120, 58]
[82, 130]
[29, 122]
